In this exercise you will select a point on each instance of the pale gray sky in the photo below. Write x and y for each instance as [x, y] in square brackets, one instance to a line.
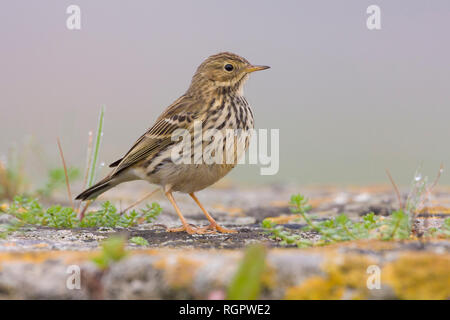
[349, 102]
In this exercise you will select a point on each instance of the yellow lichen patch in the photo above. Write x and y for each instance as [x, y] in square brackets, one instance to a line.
[436, 210]
[268, 277]
[315, 288]
[350, 270]
[284, 218]
[343, 274]
[287, 218]
[42, 256]
[65, 256]
[440, 201]
[364, 244]
[179, 271]
[40, 245]
[9, 244]
[419, 276]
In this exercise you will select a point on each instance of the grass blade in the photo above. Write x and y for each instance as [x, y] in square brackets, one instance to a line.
[246, 284]
[88, 159]
[93, 157]
[87, 168]
[397, 191]
[98, 140]
[65, 172]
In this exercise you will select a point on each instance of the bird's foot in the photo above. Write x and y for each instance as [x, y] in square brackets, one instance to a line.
[190, 229]
[214, 227]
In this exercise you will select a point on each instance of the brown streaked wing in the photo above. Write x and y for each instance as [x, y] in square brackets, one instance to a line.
[159, 135]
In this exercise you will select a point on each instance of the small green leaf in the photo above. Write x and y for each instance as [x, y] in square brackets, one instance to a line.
[113, 250]
[139, 241]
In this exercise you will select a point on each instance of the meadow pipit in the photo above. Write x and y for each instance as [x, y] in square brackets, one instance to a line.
[215, 100]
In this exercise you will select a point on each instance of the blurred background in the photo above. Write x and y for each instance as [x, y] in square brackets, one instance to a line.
[349, 102]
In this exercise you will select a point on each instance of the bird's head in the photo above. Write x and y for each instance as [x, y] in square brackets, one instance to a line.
[223, 70]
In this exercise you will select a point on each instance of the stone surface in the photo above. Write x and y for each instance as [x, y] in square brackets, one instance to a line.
[34, 260]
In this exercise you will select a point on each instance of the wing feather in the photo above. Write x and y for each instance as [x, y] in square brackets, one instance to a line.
[159, 135]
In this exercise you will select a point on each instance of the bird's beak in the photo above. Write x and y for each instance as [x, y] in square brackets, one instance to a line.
[250, 69]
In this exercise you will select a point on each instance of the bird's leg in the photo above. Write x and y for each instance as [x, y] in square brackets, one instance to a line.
[186, 226]
[213, 224]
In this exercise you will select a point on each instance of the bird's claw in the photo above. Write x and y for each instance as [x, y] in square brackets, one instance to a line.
[214, 228]
[190, 229]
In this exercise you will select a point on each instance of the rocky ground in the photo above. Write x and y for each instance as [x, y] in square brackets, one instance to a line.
[34, 261]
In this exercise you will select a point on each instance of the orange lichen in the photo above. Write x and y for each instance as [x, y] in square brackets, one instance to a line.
[268, 277]
[9, 244]
[179, 271]
[4, 207]
[65, 256]
[284, 218]
[342, 274]
[40, 245]
[315, 288]
[364, 244]
[436, 210]
[42, 256]
[419, 276]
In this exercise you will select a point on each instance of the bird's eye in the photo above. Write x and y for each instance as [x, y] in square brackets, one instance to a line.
[229, 67]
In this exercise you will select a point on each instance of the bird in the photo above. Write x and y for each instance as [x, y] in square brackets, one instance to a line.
[216, 101]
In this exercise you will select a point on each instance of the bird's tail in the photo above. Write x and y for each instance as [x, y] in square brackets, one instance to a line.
[98, 188]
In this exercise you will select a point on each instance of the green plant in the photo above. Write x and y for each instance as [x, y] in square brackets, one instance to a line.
[300, 206]
[26, 210]
[92, 158]
[246, 283]
[443, 231]
[61, 217]
[418, 195]
[340, 228]
[285, 237]
[113, 250]
[92, 162]
[139, 241]
[6, 229]
[30, 211]
[108, 216]
[445, 228]
[398, 226]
